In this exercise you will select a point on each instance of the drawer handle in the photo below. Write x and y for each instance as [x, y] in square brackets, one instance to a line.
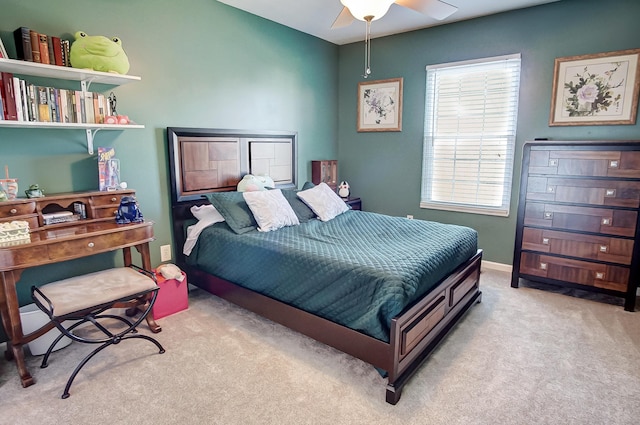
[613, 163]
[115, 212]
[551, 189]
[543, 266]
[553, 163]
[545, 241]
[606, 221]
[610, 192]
[548, 215]
[600, 275]
[114, 199]
[91, 244]
[604, 248]
[13, 211]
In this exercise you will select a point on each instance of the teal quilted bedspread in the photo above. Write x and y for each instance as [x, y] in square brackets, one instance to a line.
[360, 269]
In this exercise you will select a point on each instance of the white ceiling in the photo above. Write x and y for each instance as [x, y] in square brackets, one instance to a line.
[315, 17]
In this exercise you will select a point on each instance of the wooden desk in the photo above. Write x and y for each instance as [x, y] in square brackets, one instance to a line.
[53, 244]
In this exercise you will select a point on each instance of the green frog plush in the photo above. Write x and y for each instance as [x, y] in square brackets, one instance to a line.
[99, 53]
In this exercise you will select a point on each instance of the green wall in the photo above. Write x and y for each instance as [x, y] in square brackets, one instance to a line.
[202, 64]
[384, 169]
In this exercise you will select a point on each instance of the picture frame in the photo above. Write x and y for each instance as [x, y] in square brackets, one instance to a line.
[597, 89]
[380, 105]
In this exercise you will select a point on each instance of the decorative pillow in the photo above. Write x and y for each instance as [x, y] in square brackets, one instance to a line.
[270, 209]
[234, 209]
[206, 215]
[323, 201]
[307, 185]
[301, 209]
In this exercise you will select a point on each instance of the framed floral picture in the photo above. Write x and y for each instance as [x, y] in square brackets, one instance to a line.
[600, 89]
[380, 105]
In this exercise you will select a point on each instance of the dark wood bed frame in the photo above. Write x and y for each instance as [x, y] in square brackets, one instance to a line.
[415, 333]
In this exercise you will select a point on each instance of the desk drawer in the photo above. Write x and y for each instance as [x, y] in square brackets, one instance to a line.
[96, 244]
[109, 212]
[108, 199]
[575, 271]
[591, 163]
[17, 209]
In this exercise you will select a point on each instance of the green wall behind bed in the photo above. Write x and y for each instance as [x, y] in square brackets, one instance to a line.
[384, 169]
[202, 64]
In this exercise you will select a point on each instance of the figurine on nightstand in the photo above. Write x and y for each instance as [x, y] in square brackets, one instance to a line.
[34, 191]
[343, 190]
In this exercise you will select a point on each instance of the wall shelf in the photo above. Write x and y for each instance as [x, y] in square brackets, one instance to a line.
[84, 76]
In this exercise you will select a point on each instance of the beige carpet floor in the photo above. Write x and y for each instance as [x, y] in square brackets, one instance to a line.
[522, 356]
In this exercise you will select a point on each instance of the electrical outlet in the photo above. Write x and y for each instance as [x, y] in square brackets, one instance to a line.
[409, 216]
[165, 253]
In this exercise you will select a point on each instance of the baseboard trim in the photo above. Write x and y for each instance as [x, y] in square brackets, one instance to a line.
[490, 265]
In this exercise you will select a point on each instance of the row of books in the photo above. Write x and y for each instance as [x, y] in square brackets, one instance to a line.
[23, 101]
[36, 47]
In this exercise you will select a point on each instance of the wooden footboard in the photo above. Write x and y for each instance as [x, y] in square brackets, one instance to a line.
[417, 331]
[414, 334]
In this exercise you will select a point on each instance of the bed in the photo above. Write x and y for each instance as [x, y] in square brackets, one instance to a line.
[369, 284]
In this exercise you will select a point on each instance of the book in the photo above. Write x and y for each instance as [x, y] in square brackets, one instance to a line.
[9, 98]
[1, 106]
[89, 115]
[64, 111]
[35, 46]
[108, 169]
[66, 50]
[33, 104]
[44, 114]
[22, 38]
[18, 98]
[24, 96]
[57, 50]
[3, 51]
[53, 104]
[44, 48]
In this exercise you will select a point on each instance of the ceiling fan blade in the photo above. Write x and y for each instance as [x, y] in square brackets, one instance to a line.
[434, 8]
[344, 18]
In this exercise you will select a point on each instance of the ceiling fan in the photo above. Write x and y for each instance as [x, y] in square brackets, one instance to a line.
[371, 10]
[376, 9]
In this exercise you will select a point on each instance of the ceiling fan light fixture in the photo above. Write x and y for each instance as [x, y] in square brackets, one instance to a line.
[361, 9]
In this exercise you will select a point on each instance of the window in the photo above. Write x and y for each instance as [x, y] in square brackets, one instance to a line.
[469, 135]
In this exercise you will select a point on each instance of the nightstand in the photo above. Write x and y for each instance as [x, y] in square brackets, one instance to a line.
[354, 203]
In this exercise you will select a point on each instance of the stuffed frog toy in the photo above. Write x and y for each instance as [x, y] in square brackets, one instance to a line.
[99, 53]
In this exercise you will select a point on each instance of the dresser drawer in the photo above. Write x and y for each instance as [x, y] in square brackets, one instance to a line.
[586, 219]
[615, 193]
[32, 219]
[575, 271]
[17, 209]
[592, 163]
[603, 248]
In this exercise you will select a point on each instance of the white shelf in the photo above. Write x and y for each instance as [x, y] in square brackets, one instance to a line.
[70, 125]
[63, 73]
[90, 129]
[84, 76]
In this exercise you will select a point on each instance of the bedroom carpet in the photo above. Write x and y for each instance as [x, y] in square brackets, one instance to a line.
[522, 356]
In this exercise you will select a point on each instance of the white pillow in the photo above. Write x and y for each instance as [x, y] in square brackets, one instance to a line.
[323, 201]
[206, 216]
[270, 209]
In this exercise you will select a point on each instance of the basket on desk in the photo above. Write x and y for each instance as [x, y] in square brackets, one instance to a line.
[14, 231]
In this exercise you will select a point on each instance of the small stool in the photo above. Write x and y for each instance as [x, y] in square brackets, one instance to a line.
[85, 298]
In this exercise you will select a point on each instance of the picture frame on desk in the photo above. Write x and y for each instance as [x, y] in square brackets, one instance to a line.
[380, 105]
[596, 89]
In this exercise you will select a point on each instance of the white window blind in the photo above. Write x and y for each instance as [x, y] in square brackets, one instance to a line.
[469, 135]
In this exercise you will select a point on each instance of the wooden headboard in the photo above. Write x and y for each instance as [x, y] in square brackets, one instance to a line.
[203, 160]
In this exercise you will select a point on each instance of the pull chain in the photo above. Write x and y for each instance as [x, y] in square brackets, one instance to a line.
[367, 47]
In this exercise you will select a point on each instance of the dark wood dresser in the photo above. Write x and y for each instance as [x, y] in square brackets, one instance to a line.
[578, 216]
